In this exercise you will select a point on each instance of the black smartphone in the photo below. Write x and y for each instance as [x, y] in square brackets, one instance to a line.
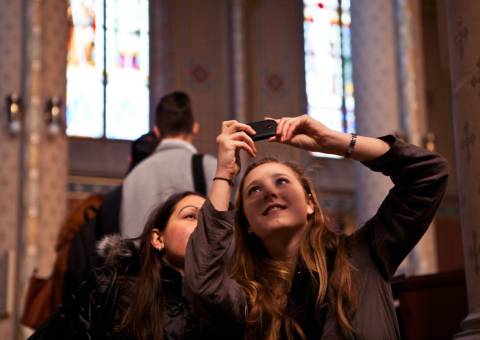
[264, 129]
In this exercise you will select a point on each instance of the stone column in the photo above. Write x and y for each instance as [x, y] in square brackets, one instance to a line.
[31, 151]
[11, 32]
[239, 68]
[413, 115]
[376, 90]
[163, 66]
[44, 151]
[463, 31]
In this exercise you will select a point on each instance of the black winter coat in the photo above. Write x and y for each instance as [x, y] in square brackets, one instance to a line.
[82, 257]
[94, 311]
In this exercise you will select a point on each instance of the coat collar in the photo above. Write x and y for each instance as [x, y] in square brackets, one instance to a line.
[172, 281]
[173, 143]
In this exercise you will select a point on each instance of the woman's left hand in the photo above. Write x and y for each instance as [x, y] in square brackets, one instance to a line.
[302, 132]
[306, 133]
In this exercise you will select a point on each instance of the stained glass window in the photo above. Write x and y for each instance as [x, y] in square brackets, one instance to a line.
[107, 68]
[328, 64]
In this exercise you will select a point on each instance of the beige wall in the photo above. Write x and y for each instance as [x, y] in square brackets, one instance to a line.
[274, 49]
[190, 53]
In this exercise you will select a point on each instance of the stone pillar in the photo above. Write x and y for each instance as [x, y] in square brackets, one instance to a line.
[31, 151]
[239, 68]
[376, 90]
[44, 145]
[463, 31]
[11, 32]
[410, 62]
[163, 66]
[413, 115]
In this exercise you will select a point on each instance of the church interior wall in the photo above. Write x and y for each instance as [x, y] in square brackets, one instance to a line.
[192, 51]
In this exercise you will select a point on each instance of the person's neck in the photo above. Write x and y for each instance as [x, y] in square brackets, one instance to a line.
[284, 245]
[183, 137]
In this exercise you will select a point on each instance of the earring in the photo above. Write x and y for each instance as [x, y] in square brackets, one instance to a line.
[161, 249]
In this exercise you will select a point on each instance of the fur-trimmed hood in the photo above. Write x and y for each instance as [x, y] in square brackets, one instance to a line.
[115, 250]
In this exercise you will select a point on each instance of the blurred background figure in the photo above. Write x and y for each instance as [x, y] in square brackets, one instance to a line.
[45, 294]
[82, 257]
[174, 166]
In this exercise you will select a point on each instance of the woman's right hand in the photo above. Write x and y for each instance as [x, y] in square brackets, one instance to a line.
[306, 133]
[233, 137]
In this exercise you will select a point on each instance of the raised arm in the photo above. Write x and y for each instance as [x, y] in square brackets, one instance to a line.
[233, 138]
[214, 295]
[306, 133]
[419, 178]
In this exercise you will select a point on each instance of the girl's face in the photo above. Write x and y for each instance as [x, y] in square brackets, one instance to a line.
[274, 201]
[180, 225]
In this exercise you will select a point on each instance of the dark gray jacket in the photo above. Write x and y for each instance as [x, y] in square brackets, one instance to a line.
[376, 250]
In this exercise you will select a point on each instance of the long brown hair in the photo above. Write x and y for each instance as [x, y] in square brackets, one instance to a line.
[143, 317]
[267, 281]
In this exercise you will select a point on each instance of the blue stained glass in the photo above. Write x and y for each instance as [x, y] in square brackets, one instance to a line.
[84, 69]
[329, 84]
[84, 105]
[127, 68]
[108, 100]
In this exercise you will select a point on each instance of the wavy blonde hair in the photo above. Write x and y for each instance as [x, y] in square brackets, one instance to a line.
[266, 281]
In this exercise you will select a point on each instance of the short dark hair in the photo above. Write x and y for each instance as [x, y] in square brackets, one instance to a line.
[141, 148]
[174, 115]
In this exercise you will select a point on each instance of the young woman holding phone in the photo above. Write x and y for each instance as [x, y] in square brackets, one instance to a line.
[271, 268]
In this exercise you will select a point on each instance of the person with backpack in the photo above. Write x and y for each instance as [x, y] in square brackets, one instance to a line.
[172, 167]
[137, 293]
[82, 257]
[87, 222]
[45, 294]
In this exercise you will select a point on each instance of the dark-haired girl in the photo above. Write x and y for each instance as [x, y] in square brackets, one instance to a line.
[137, 294]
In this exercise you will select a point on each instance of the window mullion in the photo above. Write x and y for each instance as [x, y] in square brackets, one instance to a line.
[105, 74]
[342, 61]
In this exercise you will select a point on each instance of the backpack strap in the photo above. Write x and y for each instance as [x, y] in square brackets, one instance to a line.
[198, 174]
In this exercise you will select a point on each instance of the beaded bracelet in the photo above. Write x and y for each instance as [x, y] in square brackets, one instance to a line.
[351, 146]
